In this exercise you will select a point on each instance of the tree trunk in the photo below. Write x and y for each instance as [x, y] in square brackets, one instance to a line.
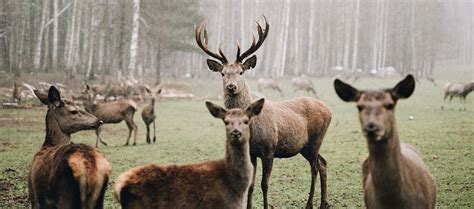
[54, 63]
[39, 38]
[134, 39]
[356, 37]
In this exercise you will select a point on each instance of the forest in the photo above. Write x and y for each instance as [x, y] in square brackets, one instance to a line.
[145, 38]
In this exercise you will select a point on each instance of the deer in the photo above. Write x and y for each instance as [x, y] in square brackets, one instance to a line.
[304, 84]
[460, 90]
[268, 83]
[63, 174]
[212, 184]
[394, 174]
[148, 114]
[283, 129]
[112, 113]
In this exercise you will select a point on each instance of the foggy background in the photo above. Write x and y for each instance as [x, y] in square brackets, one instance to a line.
[87, 39]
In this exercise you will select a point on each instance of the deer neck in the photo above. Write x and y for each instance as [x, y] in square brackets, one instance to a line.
[238, 158]
[54, 135]
[240, 100]
[384, 161]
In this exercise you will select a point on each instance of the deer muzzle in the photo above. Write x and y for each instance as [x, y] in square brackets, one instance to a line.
[236, 134]
[231, 88]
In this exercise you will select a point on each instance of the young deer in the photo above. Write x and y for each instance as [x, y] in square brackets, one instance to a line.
[148, 114]
[394, 174]
[62, 174]
[460, 90]
[283, 129]
[212, 184]
[112, 113]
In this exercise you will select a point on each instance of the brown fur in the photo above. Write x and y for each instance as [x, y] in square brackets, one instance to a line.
[283, 129]
[113, 112]
[212, 184]
[394, 174]
[148, 113]
[65, 175]
[16, 94]
[460, 90]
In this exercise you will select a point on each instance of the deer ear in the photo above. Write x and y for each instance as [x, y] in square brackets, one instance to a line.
[216, 110]
[250, 62]
[54, 97]
[214, 65]
[255, 108]
[346, 92]
[41, 96]
[404, 88]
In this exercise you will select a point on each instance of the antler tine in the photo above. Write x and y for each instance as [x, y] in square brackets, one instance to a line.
[238, 50]
[204, 46]
[262, 35]
[222, 54]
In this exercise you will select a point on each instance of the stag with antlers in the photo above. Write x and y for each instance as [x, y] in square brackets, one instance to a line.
[283, 129]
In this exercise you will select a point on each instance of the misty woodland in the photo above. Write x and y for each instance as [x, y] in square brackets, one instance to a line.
[236, 104]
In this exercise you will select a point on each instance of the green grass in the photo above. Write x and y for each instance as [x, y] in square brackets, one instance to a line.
[187, 133]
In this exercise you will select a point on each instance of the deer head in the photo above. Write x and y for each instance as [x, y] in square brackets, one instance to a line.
[232, 73]
[376, 107]
[236, 120]
[64, 114]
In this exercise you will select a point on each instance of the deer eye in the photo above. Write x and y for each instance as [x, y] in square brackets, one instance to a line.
[241, 73]
[226, 123]
[222, 74]
[74, 112]
[246, 122]
[360, 108]
[389, 106]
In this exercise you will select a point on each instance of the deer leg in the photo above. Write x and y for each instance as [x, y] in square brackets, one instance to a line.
[321, 163]
[97, 133]
[267, 164]
[154, 131]
[130, 129]
[250, 192]
[147, 133]
[135, 128]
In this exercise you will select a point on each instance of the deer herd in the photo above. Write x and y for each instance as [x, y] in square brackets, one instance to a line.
[68, 175]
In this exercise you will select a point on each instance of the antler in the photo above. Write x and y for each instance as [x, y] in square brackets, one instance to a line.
[204, 47]
[262, 34]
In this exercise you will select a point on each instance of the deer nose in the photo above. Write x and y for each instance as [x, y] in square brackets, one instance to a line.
[371, 128]
[100, 122]
[231, 88]
[235, 134]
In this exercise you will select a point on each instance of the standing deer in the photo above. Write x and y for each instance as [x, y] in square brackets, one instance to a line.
[268, 83]
[212, 184]
[304, 84]
[283, 129]
[148, 114]
[460, 90]
[62, 174]
[394, 174]
[112, 113]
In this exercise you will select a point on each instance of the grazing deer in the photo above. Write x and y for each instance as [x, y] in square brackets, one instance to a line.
[304, 84]
[112, 113]
[283, 129]
[62, 174]
[394, 174]
[148, 114]
[268, 83]
[212, 184]
[460, 90]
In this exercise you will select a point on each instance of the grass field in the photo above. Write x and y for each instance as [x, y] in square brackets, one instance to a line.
[186, 133]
